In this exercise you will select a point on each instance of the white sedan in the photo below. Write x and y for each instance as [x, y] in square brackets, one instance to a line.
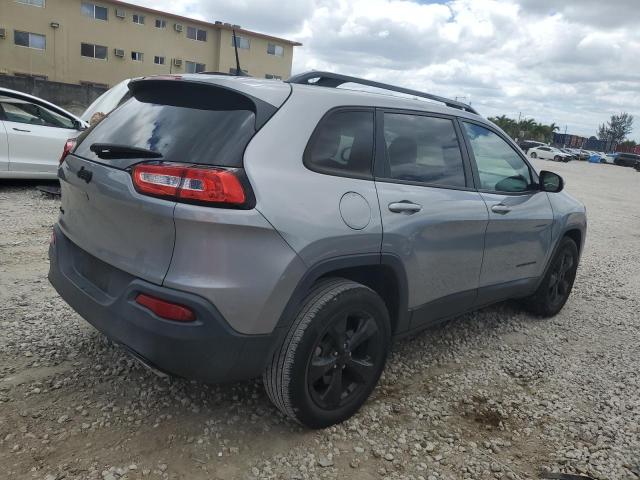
[545, 152]
[33, 133]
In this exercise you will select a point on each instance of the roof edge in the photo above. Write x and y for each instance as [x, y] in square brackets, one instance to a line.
[202, 22]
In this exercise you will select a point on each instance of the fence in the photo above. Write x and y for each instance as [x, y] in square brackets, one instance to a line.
[72, 97]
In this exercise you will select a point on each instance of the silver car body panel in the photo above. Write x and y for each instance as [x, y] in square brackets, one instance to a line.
[441, 245]
[107, 218]
[516, 243]
[237, 261]
[248, 262]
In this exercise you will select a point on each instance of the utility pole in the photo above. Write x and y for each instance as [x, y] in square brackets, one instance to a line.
[564, 138]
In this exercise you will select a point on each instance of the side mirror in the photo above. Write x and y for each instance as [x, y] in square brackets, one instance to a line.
[551, 182]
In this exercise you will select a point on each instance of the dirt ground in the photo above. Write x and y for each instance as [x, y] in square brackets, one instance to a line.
[493, 394]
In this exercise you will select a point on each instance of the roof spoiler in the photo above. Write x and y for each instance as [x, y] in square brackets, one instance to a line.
[334, 80]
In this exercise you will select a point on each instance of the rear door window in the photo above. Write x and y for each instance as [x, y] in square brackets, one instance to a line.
[342, 144]
[423, 149]
[184, 122]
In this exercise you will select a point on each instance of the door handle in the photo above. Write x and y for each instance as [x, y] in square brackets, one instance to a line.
[501, 209]
[404, 206]
[21, 130]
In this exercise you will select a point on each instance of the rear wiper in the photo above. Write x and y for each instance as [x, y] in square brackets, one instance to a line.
[111, 150]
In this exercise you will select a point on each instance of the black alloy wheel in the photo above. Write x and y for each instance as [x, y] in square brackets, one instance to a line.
[555, 288]
[561, 278]
[332, 356]
[344, 359]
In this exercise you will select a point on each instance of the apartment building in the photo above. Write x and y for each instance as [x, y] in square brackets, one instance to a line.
[103, 42]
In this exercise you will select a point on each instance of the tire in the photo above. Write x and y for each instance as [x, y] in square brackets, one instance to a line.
[555, 288]
[312, 361]
[557, 158]
[533, 155]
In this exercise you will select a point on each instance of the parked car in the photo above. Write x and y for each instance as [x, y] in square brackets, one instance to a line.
[549, 153]
[106, 102]
[574, 156]
[577, 153]
[582, 154]
[525, 145]
[217, 240]
[32, 134]
[625, 159]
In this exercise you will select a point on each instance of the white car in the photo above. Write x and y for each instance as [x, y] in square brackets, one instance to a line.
[108, 101]
[33, 133]
[545, 152]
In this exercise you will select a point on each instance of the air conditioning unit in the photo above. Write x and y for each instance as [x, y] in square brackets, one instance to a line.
[3, 32]
[120, 13]
[177, 62]
[118, 52]
[177, 27]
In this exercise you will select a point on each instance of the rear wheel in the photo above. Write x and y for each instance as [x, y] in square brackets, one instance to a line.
[533, 155]
[556, 286]
[332, 356]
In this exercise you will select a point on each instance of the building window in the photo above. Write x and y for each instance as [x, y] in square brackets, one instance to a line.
[158, 60]
[94, 11]
[197, 34]
[269, 76]
[139, 19]
[161, 23]
[35, 3]
[31, 40]
[234, 71]
[277, 50]
[240, 42]
[93, 51]
[137, 56]
[193, 67]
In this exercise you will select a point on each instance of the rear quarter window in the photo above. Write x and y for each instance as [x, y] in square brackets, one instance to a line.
[184, 122]
[342, 144]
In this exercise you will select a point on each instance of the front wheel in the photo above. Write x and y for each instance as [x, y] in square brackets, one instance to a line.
[533, 155]
[332, 356]
[555, 288]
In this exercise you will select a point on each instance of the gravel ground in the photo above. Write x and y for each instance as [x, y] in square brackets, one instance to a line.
[494, 394]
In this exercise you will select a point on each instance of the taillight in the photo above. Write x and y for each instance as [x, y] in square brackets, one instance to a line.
[190, 183]
[166, 310]
[68, 146]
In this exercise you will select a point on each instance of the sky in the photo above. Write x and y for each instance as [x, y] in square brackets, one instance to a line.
[572, 62]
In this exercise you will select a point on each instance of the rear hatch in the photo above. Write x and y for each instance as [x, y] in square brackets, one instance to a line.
[194, 120]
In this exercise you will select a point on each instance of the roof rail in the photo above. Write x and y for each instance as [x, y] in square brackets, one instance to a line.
[329, 79]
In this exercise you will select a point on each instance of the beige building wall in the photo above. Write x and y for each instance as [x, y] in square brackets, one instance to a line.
[61, 59]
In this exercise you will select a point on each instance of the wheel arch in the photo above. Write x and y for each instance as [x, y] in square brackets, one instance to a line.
[383, 273]
[575, 234]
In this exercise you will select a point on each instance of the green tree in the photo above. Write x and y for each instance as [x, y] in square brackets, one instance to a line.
[617, 128]
[525, 129]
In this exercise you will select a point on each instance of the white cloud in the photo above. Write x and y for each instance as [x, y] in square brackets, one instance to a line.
[571, 62]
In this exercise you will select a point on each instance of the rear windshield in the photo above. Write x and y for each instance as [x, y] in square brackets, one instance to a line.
[184, 122]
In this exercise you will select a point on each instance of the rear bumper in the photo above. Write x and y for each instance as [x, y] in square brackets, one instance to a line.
[207, 349]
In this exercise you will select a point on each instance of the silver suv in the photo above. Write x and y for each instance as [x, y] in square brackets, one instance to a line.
[222, 228]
